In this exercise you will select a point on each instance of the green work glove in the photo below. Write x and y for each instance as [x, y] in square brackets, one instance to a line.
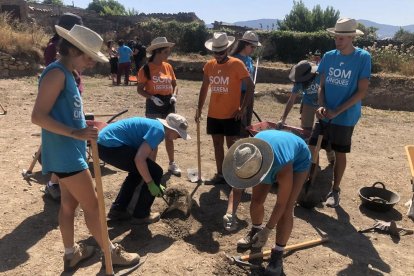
[155, 190]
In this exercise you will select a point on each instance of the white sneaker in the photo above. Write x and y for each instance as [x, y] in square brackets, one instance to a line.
[174, 169]
[230, 222]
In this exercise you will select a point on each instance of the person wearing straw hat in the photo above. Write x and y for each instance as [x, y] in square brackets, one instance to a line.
[271, 156]
[158, 84]
[130, 145]
[345, 73]
[244, 49]
[58, 110]
[224, 76]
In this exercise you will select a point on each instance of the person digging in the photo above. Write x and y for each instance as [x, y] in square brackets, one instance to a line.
[258, 162]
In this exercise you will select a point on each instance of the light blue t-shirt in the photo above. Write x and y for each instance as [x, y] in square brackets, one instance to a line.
[310, 94]
[60, 153]
[124, 54]
[342, 73]
[132, 132]
[287, 148]
[248, 62]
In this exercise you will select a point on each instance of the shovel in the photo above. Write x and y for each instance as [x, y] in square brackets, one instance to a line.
[194, 175]
[307, 197]
[410, 156]
[387, 227]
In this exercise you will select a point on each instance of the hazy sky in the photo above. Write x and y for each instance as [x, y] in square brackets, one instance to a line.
[399, 13]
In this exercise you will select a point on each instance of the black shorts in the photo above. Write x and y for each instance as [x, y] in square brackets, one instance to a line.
[63, 175]
[114, 65]
[226, 127]
[153, 111]
[335, 137]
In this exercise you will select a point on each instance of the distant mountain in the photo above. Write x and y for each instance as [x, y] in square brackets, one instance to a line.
[255, 24]
[384, 31]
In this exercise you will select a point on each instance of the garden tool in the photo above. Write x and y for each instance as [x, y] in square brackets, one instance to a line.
[410, 155]
[244, 260]
[194, 175]
[388, 228]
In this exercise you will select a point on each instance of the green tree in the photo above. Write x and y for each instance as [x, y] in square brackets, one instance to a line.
[301, 19]
[369, 32]
[53, 2]
[107, 7]
[404, 36]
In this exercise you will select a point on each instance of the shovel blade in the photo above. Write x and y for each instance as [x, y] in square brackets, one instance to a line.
[192, 175]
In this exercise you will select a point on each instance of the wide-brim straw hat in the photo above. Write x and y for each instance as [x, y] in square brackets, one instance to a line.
[345, 27]
[159, 42]
[251, 38]
[219, 42]
[177, 123]
[303, 71]
[247, 162]
[86, 40]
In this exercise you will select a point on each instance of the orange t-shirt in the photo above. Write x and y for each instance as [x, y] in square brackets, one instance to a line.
[161, 77]
[225, 86]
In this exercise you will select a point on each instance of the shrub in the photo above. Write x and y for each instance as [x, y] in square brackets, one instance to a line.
[392, 58]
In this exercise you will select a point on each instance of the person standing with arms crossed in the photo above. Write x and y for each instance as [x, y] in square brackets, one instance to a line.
[158, 84]
[59, 111]
[345, 74]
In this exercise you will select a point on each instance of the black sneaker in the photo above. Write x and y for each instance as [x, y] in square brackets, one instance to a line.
[118, 215]
[275, 266]
[216, 180]
[246, 242]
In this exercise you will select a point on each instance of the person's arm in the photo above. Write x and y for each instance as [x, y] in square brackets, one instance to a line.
[288, 107]
[248, 98]
[144, 152]
[285, 180]
[202, 97]
[50, 87]
[141, 91]
[361, 93]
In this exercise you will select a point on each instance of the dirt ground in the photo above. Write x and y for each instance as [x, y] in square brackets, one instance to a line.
[30, 242]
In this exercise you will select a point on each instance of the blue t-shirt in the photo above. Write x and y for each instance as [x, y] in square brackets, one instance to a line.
[61, 153]
[342, 73]
[248, 62]
[310, 94]
[124, 54]
[132, 132]
[287, 148]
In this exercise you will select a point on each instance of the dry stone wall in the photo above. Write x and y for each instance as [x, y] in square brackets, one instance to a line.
[12, 67]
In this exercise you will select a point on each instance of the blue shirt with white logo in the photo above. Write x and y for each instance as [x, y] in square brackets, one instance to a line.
[248, 62]
[310, 94]
[132, 132]
[287, 148]
[342, 73]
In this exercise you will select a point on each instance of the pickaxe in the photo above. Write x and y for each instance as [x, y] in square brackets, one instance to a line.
[244, 260]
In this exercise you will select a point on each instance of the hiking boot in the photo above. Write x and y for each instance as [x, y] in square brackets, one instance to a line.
[230, 222]
[152, 218]
[174, 169]
[217, 179]
[53, 189]
[332, 199]
[246, 242]
[275, 266]
[118, 215]
[81, 253]
[330, 155]
[122, 258]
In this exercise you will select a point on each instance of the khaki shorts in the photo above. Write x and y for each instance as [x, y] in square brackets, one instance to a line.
[307, 116]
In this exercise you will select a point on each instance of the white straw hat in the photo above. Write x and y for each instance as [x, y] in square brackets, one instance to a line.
[345, 27]
[219, 42]
[247, 162]
[178, 123]
[86, 40]
[159, 42]
[251, 38]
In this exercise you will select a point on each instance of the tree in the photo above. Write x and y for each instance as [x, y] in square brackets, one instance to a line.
[53, 2]
[107, 7]
[301, 19]
[404, 36]
[369, 32]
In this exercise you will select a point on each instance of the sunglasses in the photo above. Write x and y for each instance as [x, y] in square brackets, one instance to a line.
[220, 53]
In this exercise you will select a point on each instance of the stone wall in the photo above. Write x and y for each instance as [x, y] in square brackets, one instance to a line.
[12, 67]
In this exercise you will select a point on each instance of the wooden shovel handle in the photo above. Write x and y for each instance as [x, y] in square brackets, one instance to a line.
[301, 245]
[198, 151]
[101, 204]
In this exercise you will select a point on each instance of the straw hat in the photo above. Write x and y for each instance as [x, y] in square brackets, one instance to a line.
[251, 38]
[178, 123]
[345, 27]
[303, 71]
[86, 40]
[247, 162]
[219, 42]
[159, 42]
